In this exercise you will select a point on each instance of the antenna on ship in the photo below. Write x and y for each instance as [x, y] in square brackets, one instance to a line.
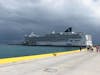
[69, 29]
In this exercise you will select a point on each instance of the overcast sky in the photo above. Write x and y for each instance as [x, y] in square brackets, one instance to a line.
[20, 17]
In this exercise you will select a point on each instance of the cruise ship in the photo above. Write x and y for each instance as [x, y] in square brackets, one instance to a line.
[65, 38]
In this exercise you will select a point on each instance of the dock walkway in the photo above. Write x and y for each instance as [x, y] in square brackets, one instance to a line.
[82, 63]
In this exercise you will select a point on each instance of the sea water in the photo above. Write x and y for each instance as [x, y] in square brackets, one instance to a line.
[7, 51]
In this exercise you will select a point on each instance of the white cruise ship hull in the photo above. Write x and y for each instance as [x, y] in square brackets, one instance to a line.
[61, 43]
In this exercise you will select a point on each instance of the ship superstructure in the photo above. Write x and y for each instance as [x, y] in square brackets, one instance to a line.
[66, 38]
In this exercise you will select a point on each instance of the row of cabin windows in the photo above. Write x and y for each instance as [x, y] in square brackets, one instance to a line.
[54, 39]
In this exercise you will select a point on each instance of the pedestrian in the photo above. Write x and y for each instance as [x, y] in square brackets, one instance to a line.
[88, 48]
[80, 48]
[97, 49]
[92, 49]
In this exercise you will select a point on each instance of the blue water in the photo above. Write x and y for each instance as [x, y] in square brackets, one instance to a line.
[16, 50]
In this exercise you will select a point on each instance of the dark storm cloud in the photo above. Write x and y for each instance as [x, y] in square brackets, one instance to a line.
[19, 17]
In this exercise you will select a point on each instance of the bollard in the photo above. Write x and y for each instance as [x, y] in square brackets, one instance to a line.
[54, 54]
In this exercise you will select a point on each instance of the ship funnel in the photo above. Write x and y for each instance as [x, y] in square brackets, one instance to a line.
[69, 29]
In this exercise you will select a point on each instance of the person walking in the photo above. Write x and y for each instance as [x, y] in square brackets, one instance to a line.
[88, 48]
[97, 49]
[80, 48]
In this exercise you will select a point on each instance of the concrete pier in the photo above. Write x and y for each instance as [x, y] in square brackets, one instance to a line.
[82, 63]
